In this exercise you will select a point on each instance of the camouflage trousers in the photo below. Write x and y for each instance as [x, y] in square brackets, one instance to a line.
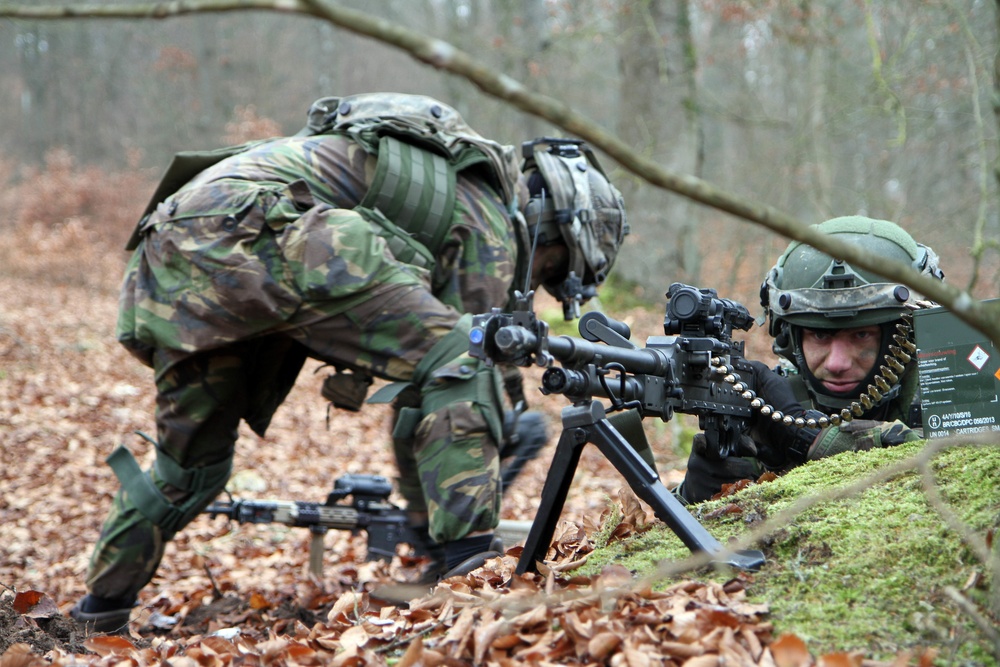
[448, 459]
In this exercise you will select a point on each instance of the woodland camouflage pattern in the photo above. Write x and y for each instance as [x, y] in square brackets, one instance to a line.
[257, 264]
[226, 261]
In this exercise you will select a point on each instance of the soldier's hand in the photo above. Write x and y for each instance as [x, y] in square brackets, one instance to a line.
[745, 447]
[775, 390]
[861, 435]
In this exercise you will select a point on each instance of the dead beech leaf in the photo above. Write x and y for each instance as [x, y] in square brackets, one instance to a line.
[258, 601]
[681, 650]
[613, 576]
[752, 642]
[484, 636]
[840, 659]
[731, 508]
[790, 651]
[537, 617]
[702, 661]
[632, 510]
[636, 657]
[299, 654]
[204, 657]
[349, 657]
[732, 489]
[507, 642]
[354, 636]
[414, 654]
[461, 631]
[927, 657]
[108, 645]
[20, 655]
[35, 604]
[351, 605]
[603, 644]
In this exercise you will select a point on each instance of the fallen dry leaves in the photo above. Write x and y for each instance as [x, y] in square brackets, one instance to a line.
[229, 596]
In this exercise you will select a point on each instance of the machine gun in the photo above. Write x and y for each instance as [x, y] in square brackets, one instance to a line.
[693, 369]
[369, 510]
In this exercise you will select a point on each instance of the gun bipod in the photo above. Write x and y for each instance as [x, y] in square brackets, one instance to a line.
[586, 422]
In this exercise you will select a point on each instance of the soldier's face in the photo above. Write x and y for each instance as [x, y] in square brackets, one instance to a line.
[841, 358]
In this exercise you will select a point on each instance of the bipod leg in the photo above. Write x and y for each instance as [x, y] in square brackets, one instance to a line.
[557, 484]
[646, 484]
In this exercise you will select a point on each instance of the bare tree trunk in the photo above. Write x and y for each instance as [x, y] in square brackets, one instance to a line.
[817, 137]
[660, 120]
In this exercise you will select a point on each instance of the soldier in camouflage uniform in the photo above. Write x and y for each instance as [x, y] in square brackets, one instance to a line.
[366, 241]
[834, 325]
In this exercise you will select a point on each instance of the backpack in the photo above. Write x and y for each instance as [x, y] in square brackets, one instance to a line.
[421, 145]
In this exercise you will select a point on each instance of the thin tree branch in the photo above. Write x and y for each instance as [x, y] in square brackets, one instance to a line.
[444, 56]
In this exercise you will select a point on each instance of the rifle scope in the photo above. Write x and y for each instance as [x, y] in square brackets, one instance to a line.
[700, 312]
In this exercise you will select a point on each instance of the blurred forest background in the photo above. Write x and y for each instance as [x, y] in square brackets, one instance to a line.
[816, 107]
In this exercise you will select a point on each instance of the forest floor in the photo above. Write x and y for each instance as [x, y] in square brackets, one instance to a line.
[225, 594]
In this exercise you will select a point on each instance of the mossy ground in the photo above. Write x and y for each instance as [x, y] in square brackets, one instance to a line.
[867, 572]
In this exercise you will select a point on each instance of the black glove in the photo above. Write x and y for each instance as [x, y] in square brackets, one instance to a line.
[779, 444]
[744, 447]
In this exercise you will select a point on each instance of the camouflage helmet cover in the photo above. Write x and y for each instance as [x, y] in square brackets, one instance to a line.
[573, 201]
[811, 289]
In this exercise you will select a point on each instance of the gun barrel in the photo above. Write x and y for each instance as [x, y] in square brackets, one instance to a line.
[289, 513]
[514, 340]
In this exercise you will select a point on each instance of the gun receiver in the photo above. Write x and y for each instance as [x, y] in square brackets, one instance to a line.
[693, 369]
[683, 371]
[369, 510]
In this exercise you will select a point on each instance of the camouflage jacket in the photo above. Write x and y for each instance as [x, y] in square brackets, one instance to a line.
[259, 236]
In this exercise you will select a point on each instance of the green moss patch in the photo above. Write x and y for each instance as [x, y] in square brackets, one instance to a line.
[867, 572]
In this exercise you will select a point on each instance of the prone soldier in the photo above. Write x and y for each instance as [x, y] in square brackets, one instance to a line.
[839, 330]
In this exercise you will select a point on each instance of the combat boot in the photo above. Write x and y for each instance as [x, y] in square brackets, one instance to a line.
[97, 614]
[475, 561]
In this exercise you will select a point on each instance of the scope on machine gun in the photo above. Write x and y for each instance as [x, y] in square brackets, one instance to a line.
[700, 312]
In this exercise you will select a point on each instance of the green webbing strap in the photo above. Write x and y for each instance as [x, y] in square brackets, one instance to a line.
[629, 424]
[194, 480]
[148, 499]
[414, 188]
[142, 493]
[403, 247]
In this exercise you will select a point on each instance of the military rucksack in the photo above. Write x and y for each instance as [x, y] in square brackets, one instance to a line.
[421, 145]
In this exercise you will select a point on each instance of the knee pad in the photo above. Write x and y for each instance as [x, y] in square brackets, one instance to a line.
[201, 485]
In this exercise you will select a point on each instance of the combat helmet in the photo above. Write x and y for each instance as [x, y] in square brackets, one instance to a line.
[573, 202]
[808, 289]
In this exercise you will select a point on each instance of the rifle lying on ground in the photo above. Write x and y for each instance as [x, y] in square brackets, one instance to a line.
[694, 369]
[369, 510]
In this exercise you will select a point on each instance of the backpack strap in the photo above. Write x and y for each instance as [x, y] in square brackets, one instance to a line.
[415, 188]
[403, 246]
